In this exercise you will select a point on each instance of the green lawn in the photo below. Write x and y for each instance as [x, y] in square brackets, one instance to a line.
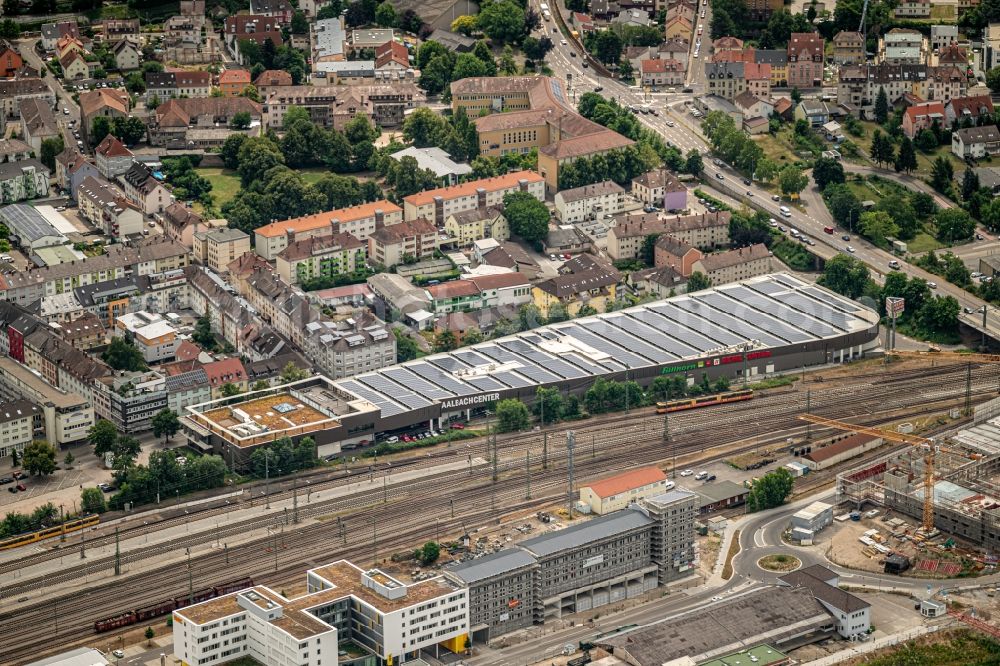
[921, 243]
[943, 12]
[226, 182]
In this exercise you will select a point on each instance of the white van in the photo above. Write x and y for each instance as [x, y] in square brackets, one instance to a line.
[785, 212]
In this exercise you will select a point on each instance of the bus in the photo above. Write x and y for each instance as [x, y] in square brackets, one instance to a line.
[828, 230]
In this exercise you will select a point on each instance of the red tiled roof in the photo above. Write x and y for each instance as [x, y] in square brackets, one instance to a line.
[226, 371]
[925, 109]
[636, 478]
[493, 184]
[112, 147]
[234, 76]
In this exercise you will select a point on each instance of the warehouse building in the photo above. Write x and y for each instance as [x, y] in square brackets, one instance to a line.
[841, 449]
[614, 557]
[615, 493]
[721, 495]
[765, 325]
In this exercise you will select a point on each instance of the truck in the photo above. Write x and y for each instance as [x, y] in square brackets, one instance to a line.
[547, 15]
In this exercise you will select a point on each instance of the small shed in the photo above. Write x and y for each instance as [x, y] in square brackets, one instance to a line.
[717, 524]
[814, 517]
[931, 608]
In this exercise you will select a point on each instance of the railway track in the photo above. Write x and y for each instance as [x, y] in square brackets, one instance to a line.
[382, 523]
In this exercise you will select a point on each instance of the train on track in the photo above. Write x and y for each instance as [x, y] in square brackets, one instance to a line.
[49, 532]
[169, 605]
[703, 401]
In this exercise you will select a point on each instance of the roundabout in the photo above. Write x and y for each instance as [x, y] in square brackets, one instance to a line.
[779, 563]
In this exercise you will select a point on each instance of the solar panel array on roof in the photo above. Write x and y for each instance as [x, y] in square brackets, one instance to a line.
[775, 310]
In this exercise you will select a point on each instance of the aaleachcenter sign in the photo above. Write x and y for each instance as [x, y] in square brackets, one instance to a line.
[470, 400]
[722, 360]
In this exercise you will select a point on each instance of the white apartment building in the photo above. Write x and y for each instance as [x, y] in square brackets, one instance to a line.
[153, 335]
[381, 616]
[17, 425]
[436, 205]
[706, 231]
[590, 201]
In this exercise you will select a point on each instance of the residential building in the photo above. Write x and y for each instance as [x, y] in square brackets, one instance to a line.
[104, 206]
[943, 35]
[590, 201]
[72, 169]
[902, 46]
[591, 281]
[848, 48]
[345, 72]
[328, 38]
[27, 179]
[752, 106]
[151, 334]
[469, 226]
[859, 86]
[511, 256]
[943, 83]
[975, 142]
[437, 205]
[676, 254]
[249, 27]
[381, 618]
[320, 257]
[335, 106]
[370, 38]
[201, 122]
[734, 265]
[504, 290]
[181, 223]
[272, 78]
[913, 9]
[777, 60]
[453, 41]
[816, 113]
[706, 231]
[67, 416]
[394, 244]
[169, 85]
[761, 10]
[662, 72]
[805, 60]
[922, 116]
[75, 67]
[281, 10]
[186, 388]
[144, 190]
[115, 30]
[127, 55]
[113, 159]
[53, 32]
[967, 110]
[130, 400]
[436, 160]
[232, 82]
[565, 239]
[84, 332]
[13, 150]
[614, 493]
[21, 421]
[12, 91]
[359, 221]
[228, 371]
[37, 123]
[103, 102]
[679, 27]
[392, 57]
[660, 188]
[953, 54]
[10, 61]
[217, 248]
[726, 79]
[852, 614]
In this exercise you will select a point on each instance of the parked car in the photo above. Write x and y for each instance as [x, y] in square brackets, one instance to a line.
[20, 475]
[846, 237]
[700, 475]
[710, 477]
[457, 426]
[5, 480]
[392, 440]
[12, 489]
[105, 487]
[775, 197]
[687, 472]
[21, 487]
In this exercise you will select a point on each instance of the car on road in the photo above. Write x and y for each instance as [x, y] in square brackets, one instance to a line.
[687, 472]
[716, 598]
[850, 249]
[106, 487]
[458, 426]
[584, 64]
[773, 222]
[893, 264]
[670, 123]
[747, 181]
[701, 27]
[749, 193]
[932, 285]
[598, 88]
[775, 197]
[710, 477]
[572, 54]
[979, 236]
[720, 176]
[563, 42]
[781, 229]
[703, 13]
[845, 237]
[118, 654]
[967, 310]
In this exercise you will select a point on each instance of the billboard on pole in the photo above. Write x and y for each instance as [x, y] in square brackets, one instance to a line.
[894, 305]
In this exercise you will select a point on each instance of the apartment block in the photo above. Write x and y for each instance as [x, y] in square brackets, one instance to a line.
[321, 257]
[151, 334]
[590, 201]
[20, 422]
[734, 265]
[706, 231]
[359, 221]
[436, 205]
[410, 239]
[217, 248]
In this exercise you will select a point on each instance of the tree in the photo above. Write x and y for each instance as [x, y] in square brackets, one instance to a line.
[881, 107]
[507, 66]
[256, 156]
[231, 149]
[385, 15]
[512, 415]
[68, 459]
[902, 213]
[846, 275]
[792, 180]
[467, 65]
[694, 164]
[464, 25]
[150, 633]
[92, 501]
[529, 316]
[100, 127]
[445, 341]
[906, 160]
[39, 458]
[926, 141]
[770, 490]
[528, 217]
[240, 120]
[537, 48]
[300, 24]
[166, 424]
[430, 553]
[606, 46]
[827, 170]
[502, 21]
[877, 226]
[410, 21]
[923, 204]
[102, 436]
[122, 355]
[882, 151]
[229, 389]
[698, 281]
[51, 148]
[548, 405]
[954, 224]
[796, 95]
[625, 70]
[203, 335]
[970, 184]
[292, 373]
[126, 450]
[406, 348]
[129, 130]
[941, 174]
[993, 79]
[424, 127]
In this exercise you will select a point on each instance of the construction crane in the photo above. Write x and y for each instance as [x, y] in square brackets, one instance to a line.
[898, 437]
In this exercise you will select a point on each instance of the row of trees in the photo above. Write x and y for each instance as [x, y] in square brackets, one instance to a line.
[739, 150]
[15, 523]
[283, 457]
[610, 114]
[455, 135]
[165, 476]
[130, 130]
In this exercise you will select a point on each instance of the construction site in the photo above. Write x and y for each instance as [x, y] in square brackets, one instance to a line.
[948, 484]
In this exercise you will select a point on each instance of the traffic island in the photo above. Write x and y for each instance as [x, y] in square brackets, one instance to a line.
[779, 563]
